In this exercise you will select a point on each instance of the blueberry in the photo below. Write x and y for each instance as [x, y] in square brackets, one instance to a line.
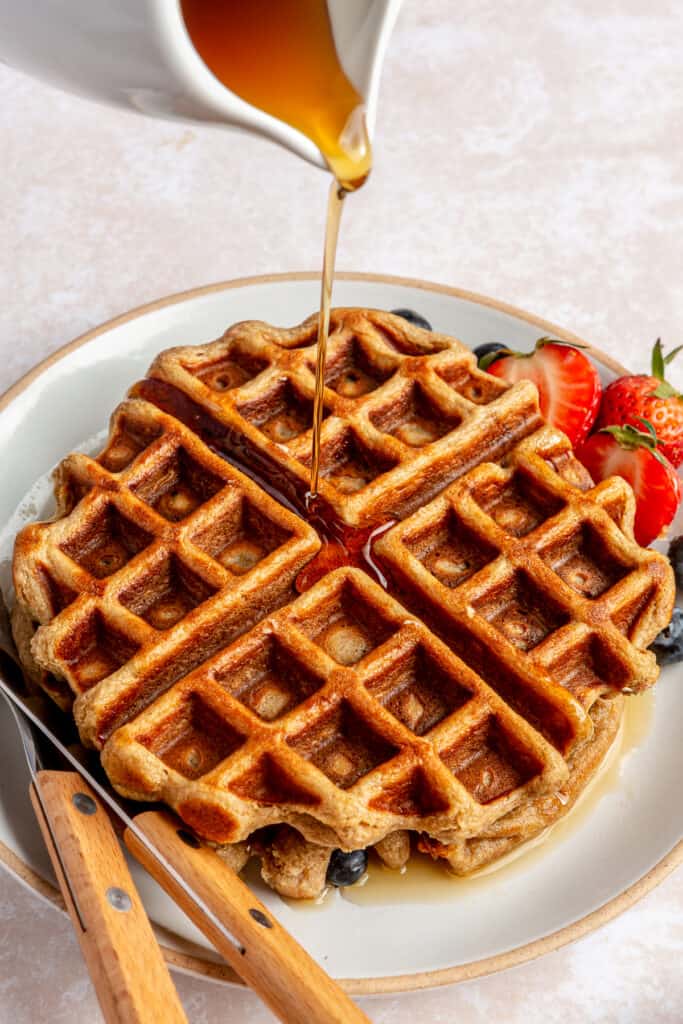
[346, 868]
[676, 558]
[413, 318]
[488, 348]
[668, 646]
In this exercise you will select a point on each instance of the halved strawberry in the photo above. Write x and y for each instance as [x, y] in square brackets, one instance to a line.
[632, 454]
[568, 384]
[650, 397]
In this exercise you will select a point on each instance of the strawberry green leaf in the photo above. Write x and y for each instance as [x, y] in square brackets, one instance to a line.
[630, 438]
[659, 457]
[672, 354]
[665, 390]
[661, 361]
[542, 342]
[504, 353]
[658, 366]
[501, 353]
[649, 427]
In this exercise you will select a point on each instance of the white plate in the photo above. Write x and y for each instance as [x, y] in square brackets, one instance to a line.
[607, 858]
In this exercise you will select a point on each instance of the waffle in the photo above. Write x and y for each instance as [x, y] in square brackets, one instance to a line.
[37, 679]
[165, 598]
[161, 553]
[529, 571]
[352, 659]
[353, 760]
[406, 411]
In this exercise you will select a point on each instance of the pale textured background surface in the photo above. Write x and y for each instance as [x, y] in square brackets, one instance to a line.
[525, 150]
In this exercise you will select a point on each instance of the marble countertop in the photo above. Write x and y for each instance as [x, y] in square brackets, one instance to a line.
[527, 151]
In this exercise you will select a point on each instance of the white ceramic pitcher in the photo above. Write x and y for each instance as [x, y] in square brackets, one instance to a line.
[137, 53]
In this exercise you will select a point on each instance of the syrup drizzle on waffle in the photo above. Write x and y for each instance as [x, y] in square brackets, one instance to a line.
[341, 544]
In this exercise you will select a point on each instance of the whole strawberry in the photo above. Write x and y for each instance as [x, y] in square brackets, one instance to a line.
[648, 397]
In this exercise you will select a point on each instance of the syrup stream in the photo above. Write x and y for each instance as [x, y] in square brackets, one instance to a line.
[255, 47]
[334, 211]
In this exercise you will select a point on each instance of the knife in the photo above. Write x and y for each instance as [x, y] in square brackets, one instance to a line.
[236, 923]
[126, 965]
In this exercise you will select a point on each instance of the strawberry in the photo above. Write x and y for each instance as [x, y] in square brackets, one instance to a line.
[642, 397]
[633, 454]
[568, 384]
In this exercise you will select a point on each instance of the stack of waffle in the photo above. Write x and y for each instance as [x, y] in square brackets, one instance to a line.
[467, 701]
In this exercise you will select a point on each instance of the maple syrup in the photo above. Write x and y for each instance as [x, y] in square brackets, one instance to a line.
[341, 544]
[424, 880]
[254, 48]
[281, 57]
[334, 209]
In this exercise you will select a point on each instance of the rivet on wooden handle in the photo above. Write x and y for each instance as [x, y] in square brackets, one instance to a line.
[125, 962]
[271, 962]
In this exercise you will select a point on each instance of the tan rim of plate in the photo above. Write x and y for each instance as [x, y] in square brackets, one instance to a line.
[194, 960]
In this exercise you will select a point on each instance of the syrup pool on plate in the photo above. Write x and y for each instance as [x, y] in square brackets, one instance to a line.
[424, 880]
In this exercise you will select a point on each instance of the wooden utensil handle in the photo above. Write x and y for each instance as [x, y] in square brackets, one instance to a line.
[125, 962]
[272, 963]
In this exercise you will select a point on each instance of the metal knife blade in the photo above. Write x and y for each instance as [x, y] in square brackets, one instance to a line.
[59, 729]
